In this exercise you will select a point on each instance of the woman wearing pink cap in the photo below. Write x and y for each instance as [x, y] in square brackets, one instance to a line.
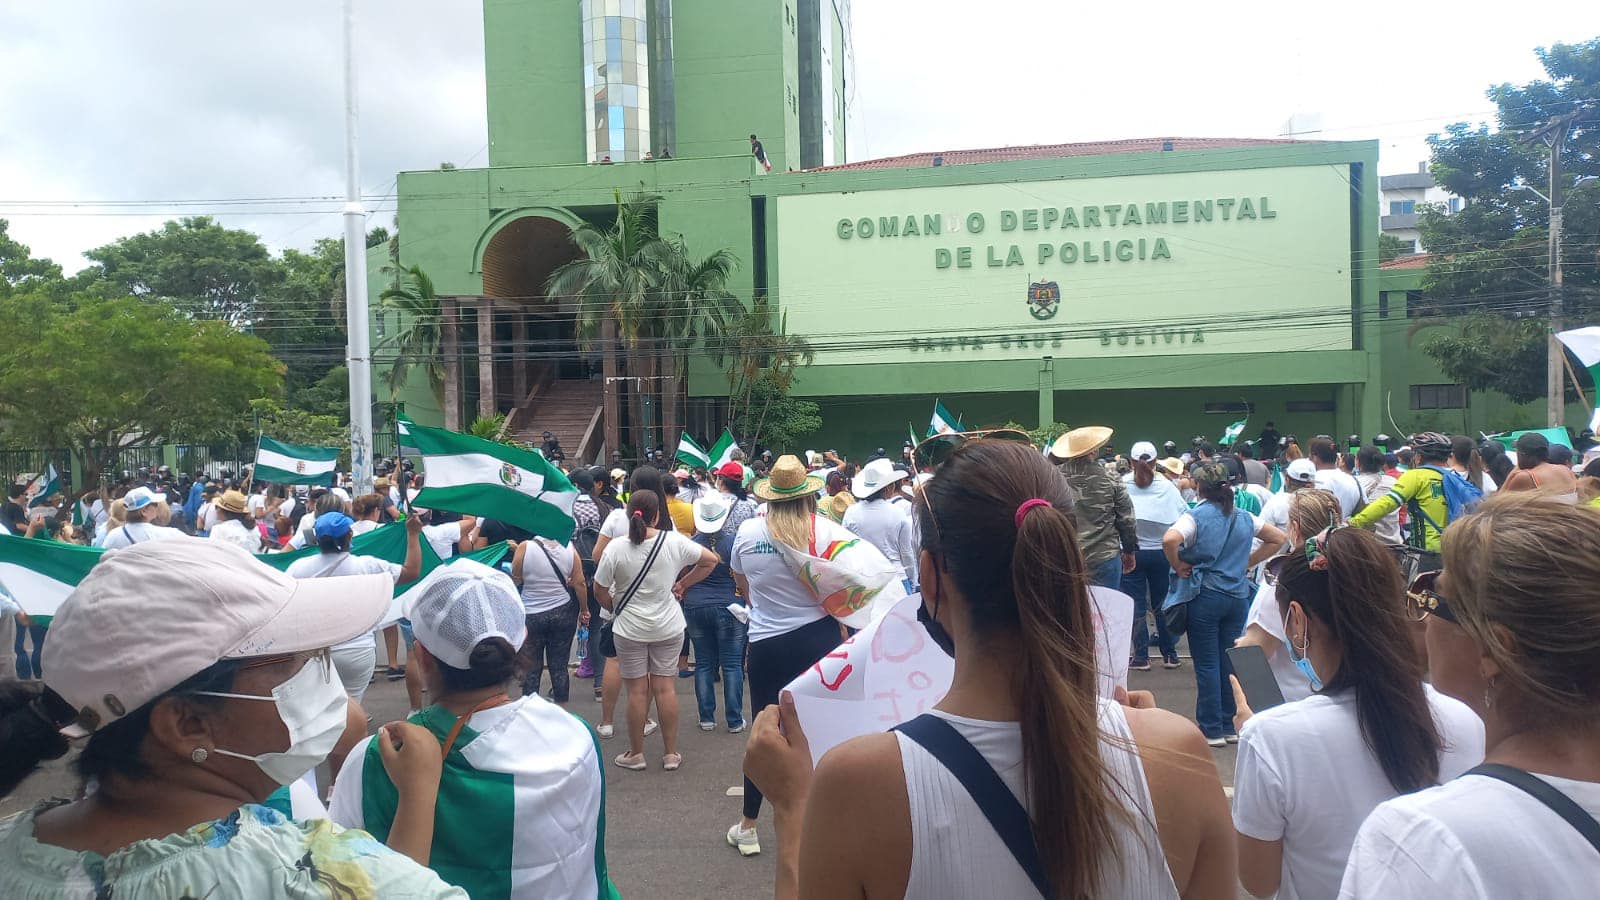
[188, 738]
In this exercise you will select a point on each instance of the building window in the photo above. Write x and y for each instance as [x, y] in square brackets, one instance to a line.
[1308, 406]
[1229, 407]
[1455, 204]
[616, 79]
[1402, 207]
[1438, 396]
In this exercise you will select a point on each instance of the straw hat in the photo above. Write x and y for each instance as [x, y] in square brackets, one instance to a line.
[835, 507]
[1080, 442]
[234, 502]
[1173, 465]
[787, 480]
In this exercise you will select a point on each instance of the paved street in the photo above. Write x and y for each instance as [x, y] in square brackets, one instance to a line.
[665, 830]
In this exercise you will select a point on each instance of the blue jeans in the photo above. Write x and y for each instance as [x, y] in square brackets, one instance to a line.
[718, 640]
[28, 664]
[1108, 574]
[1215, 622]
[1147, 584]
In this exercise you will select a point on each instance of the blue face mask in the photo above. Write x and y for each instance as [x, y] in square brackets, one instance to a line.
[1303, 663]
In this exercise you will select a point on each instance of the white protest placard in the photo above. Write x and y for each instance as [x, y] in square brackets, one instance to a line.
[891, 672]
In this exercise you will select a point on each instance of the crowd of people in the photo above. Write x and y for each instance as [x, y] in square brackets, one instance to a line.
[1429, 646]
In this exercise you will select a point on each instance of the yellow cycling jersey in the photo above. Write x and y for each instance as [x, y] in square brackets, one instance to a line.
[1420, 490]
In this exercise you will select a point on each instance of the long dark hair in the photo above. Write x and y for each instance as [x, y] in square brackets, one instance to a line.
[644, 511]
[1144, 473]
[1361, 599]
[1218, 493]
[1027, 587]
[735, 486]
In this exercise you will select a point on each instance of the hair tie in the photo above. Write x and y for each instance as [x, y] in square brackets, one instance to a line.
[639, 513]
[1317, 549]
[1028, 506]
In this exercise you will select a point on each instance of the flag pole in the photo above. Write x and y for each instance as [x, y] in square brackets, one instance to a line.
[1575, 384]
[251, 477]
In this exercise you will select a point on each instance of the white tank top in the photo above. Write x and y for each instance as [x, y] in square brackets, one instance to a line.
[955, 852]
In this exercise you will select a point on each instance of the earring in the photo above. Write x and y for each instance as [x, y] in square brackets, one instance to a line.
[198, 755]
[1488, 696]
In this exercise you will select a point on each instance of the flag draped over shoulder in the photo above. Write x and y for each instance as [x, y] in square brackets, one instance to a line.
[691, 453]
[942, 422]
[476, 476]
[282, 463]
[1585, 345]
[722, 450]
[40, 574]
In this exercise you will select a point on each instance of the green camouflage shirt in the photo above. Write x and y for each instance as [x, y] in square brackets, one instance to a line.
[1106, 526]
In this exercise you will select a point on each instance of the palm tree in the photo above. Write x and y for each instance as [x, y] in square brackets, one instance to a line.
[612, 280]
[692, 306]
[418, 338]
[755, 351]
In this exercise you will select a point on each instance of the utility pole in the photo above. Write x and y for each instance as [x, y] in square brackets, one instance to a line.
[1554, 135]
[358, 350]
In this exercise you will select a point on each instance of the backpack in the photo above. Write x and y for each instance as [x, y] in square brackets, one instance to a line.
[1460, 495]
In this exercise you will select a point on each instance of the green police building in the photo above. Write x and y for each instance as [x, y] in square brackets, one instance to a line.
[1155, 285]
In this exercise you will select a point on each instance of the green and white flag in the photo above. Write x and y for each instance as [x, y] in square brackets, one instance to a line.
[402, 427]
[1585, 345]
[1232, 432]
[480, 477]
[282, 463]
[692, 453]
[39, 574]
[529, 783]
[722, 450]
[942, 422]
[49, 486]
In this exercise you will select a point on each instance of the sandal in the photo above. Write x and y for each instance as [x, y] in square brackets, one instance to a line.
[631, 761]
[671, 762]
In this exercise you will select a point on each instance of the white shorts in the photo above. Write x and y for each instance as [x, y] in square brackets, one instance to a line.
[354, 665]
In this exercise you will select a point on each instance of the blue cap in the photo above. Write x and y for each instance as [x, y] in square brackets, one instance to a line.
[332, 525]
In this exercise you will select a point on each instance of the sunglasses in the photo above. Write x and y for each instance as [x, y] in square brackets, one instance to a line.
[935, 450]
[1423, 601]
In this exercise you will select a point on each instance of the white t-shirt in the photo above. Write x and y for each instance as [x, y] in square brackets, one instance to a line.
[887, 526]
[542, 591]
[1275, 511]
[1475, 837]
[137, 533]
[1343, 487]
[615, 526]
[652, 614]
[257, 504]
[443, 538]
[779, 602]
[1186, 526]
[362, 526]
[236, 532]
[330, 565]
[1306, 776]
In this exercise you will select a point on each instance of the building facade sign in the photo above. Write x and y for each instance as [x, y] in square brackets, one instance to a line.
[1200, 262]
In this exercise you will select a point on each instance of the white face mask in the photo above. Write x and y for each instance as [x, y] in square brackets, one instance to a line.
[312, 706]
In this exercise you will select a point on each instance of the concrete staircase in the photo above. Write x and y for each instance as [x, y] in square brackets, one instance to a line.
[569, 409]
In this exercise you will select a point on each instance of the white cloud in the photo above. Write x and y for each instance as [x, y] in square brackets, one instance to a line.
[165, 99]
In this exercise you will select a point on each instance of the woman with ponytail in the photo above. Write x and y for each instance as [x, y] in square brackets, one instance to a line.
[638, 581]
[1115, 802]
[1309, 772]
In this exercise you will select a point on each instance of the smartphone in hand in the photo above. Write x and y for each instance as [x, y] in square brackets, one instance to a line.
[1255, 676]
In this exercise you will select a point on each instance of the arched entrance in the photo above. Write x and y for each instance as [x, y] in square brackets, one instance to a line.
[540, 375]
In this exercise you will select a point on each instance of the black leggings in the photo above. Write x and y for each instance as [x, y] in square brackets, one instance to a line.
[549, 646]
[774, 662]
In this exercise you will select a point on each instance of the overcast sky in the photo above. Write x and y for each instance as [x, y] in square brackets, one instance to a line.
[214, 100]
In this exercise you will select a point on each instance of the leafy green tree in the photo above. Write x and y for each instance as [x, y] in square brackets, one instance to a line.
[297, 426]
[1490, 263]
[775, 419]
[761, 360]
[1391, 247]
[418, 337]
[301, 316]
[19, 268]
[198, 266]
[691, 308]
[97, 374]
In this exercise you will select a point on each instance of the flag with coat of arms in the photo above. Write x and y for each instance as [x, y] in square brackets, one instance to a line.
[479, 477]
[282, 463]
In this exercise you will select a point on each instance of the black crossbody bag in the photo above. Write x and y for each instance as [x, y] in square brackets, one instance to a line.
[608, 638]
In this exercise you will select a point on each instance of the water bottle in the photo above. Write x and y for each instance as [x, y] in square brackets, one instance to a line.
[583, 642]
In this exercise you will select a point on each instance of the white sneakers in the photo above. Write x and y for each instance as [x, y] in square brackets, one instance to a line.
[606, 731]
[744, 839]
[708, 726]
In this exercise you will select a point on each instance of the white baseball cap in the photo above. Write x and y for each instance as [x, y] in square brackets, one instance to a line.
[147, 618]
[874, 477]
[1143, 451]
[461, 605]
[711, 513]
[1300, 470]
[138, 498]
